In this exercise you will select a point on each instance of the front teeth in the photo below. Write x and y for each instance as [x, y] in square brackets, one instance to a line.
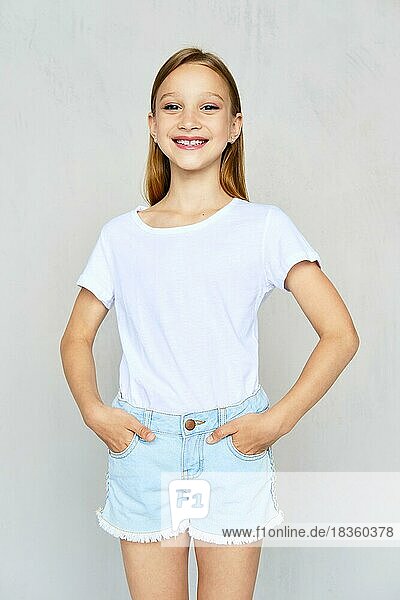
[190, 143]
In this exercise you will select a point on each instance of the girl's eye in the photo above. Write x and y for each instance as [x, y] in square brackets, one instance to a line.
[210, 105]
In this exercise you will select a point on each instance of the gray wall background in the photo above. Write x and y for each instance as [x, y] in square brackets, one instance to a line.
[319, 83]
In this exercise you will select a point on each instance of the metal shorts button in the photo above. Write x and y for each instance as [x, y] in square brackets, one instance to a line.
[190, 424]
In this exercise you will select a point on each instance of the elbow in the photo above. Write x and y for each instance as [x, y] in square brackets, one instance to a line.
[353, 343]
[352, 338]
[64, 339]
[356, 340]
[70, 338]
[62, 345]
[349, 341]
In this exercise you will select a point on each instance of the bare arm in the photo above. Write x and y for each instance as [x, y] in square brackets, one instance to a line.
[339, 341]
[112, 425]
[76, 351]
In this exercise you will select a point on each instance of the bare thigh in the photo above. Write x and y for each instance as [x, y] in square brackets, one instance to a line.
[157, 569]
[227, 572]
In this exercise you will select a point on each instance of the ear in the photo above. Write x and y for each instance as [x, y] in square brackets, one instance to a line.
[151, 121]
[237, 125]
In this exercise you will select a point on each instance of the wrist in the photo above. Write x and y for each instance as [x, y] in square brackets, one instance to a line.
[91, 411]
[289, 417]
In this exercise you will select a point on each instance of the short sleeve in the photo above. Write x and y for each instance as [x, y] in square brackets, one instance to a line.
[96, 275]
[283, 246]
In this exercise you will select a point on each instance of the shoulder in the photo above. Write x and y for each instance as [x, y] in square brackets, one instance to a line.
[261, 211]
[114, 226]
[276, 218]
[250, 206]
[258, 208]
[257, 218]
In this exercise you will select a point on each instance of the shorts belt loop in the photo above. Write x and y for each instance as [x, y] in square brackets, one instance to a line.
[221, 416]
[147, 414]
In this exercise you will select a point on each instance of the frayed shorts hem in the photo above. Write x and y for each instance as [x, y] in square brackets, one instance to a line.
[197, 534]
[132, 536]
[213, 538]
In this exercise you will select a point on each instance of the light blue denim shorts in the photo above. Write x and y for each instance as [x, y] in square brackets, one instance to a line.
[239, 504]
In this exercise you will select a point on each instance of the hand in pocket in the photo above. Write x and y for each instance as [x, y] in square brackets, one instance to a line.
[116, 427]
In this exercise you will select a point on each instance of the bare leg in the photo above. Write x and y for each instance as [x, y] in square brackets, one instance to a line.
[157, 570]
[227, 572]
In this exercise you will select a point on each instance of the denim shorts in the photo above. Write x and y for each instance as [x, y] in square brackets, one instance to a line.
[237, 503]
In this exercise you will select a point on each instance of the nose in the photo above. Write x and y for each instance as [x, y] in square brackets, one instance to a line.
[188, 129]
[188, 120]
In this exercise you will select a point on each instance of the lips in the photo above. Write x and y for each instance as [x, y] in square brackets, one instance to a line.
[187, 143]
[190, 137]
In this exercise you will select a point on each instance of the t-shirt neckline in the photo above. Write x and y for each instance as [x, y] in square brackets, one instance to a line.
[180, 228]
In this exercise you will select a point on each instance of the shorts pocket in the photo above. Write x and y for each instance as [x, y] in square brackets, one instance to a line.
[119, 403]
[241, 455]
[132, 444]
[232, 448]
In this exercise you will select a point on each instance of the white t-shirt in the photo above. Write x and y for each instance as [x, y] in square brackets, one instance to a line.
[186, 300]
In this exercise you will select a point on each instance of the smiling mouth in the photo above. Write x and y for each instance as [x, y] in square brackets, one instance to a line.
[189, 145]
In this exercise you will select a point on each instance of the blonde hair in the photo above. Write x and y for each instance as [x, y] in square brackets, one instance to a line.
[157, 176]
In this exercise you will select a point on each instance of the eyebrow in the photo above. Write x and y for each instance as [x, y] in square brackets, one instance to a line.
[205, 94]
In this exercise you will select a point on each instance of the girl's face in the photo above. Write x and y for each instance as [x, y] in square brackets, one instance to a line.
[193, 102]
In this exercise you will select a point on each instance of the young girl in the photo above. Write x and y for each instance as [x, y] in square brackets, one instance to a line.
[187, 276]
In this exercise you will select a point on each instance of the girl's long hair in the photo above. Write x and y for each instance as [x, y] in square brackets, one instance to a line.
[157, 177]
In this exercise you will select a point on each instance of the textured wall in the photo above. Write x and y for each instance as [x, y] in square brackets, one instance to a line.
[319, 83]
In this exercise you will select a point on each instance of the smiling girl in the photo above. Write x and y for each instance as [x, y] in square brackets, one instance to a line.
[187, 275]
